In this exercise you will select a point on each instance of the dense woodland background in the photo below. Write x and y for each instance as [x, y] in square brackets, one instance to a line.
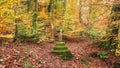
[91, 25]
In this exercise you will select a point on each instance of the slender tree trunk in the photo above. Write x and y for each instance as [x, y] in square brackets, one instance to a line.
[51, 11]
[80, 5]
[16, 27]
[64, 4]
[28, 5]
[34, 21]
[52, 19]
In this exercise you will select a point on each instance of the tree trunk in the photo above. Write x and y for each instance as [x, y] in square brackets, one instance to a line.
[34, 21]
[80, 5]
[16, 27]
[28, 5]
[51, 8]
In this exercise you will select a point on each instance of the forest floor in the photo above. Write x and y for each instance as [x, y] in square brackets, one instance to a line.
[29, 55]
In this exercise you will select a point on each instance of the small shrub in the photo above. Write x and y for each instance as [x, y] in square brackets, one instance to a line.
[105, 45]
[85, 62]
[92, 34]
[102, 55]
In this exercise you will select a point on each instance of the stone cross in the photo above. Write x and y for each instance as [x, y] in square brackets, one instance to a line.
[60, 35]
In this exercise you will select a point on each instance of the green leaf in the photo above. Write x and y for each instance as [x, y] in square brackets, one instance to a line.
[85, 62]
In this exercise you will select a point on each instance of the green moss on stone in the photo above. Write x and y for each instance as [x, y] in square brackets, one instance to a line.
[60, 43]
[62, 50]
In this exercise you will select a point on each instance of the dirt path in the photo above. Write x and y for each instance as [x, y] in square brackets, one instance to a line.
[40, 56]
